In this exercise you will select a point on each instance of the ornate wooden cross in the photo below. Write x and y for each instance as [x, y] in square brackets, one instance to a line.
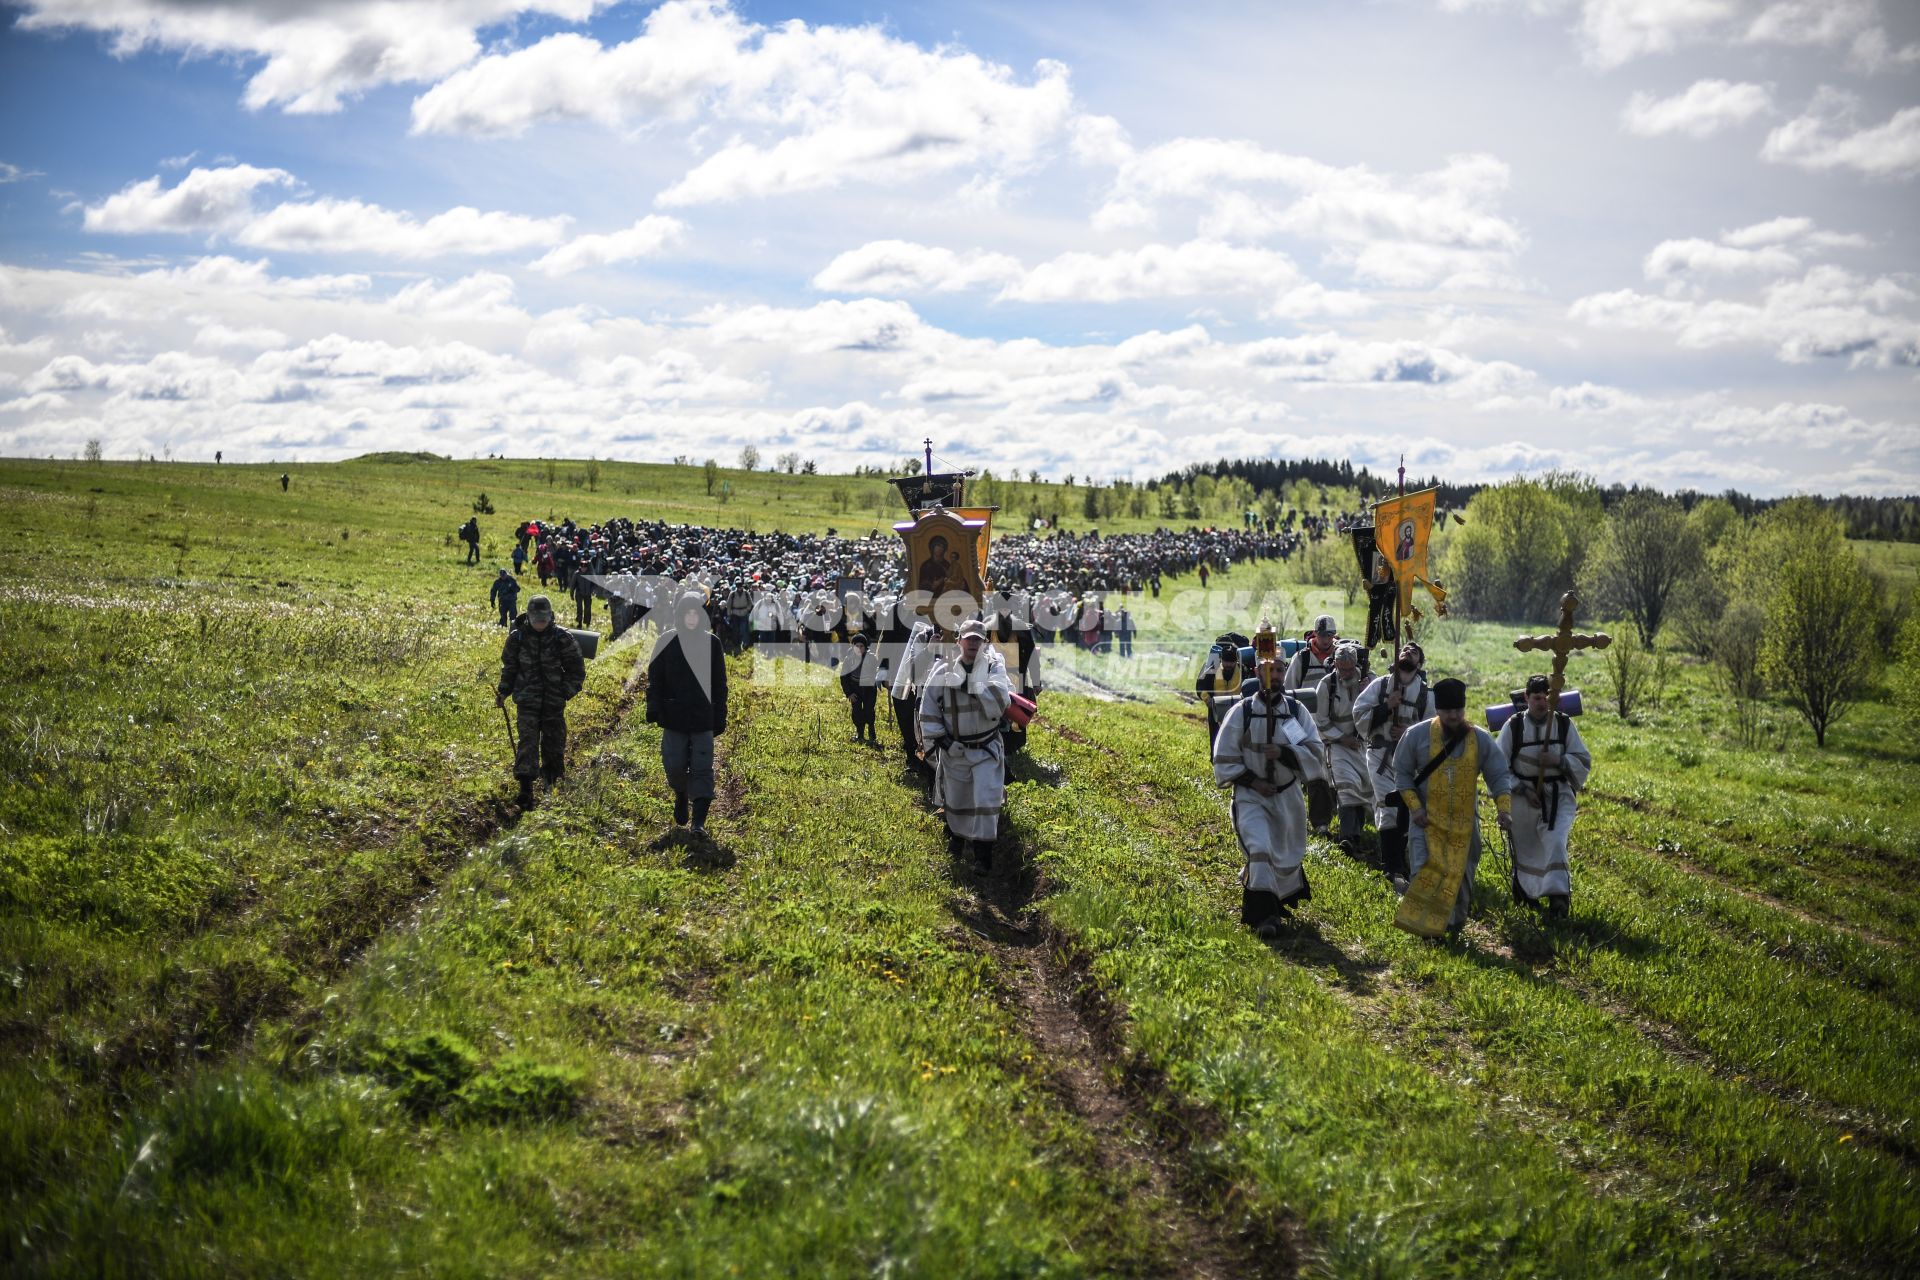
[1563, 642]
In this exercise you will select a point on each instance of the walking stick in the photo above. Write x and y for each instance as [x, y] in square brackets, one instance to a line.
[508, 720]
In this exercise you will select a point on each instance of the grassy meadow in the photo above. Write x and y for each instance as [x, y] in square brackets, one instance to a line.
[290, 990]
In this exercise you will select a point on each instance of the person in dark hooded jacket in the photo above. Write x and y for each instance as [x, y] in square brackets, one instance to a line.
[687, 698]
[541, 670]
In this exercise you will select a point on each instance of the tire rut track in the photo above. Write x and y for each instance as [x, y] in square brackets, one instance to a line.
[1144, 1136]
[1806, 915]
[363, 920]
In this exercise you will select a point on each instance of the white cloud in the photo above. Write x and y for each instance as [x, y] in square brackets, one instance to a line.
[1154, 345]
[317, 53]
[863, 325]
[1827, 313]
[206, 200]
[1154, 271]
[1850, 24]
[644, 239]
[485, 296]
[1198, 267]
[355, 227]
[1673, 258]
[14, 173]
[1704, 109]
[224, 337]
[1331, 357]
[31, 347]
[1123, 214]
[1100, 140]
[901, 266]
[1313, 300]
[1772, 231]
[220, 202]
[1435, 229]
[815, 106]
[220, 272]
[1827, 136]
[1614, 32]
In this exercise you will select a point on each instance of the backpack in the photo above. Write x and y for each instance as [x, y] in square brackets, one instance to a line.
[1563, 728]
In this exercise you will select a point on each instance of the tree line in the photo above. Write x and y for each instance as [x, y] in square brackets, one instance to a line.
[1877, 519]
[1778, 598]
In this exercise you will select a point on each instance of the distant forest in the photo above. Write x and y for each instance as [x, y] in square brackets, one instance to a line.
[1884, 519]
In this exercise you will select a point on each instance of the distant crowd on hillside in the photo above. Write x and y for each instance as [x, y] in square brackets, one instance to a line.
[801, 586]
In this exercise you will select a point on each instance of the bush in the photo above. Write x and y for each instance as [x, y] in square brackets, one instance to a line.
[1647, 550]
[1521, 548]
[1628, 667]
[1906, 669]
[1821, 606]
[1736, 652]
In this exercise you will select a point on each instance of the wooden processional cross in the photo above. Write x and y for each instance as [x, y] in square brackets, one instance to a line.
[1563, 642]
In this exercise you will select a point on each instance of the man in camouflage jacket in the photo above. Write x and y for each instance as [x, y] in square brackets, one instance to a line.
[540, 669]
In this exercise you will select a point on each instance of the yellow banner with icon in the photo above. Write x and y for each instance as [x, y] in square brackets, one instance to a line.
[1401, 528]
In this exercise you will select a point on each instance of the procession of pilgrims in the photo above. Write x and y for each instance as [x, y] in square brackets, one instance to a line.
[1304, 737]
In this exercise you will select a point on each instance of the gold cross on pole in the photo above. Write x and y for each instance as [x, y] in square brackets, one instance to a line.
[1563, 642]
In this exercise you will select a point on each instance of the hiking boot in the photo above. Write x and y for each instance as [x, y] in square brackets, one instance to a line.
[1268, 930]
[679, 808]
[526, 793]
[983, 857]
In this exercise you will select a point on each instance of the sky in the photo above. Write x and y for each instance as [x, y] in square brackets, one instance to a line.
[1663, 242]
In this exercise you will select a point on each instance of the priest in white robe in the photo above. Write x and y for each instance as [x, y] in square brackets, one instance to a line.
[1550, 767]
[1267, 750]
[963, 705]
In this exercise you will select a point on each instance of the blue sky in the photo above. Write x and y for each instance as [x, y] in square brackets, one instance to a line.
[1664, 241]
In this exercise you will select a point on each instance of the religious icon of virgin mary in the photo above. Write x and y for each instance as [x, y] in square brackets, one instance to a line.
[932, 577]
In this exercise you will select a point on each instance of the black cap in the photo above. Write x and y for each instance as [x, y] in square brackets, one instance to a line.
[1450, 695]
[539, 607]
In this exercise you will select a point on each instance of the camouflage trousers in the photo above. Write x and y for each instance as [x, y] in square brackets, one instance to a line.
[543, 742]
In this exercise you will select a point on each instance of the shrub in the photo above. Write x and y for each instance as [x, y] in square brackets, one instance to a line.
[1521, 548]
[1647, 550]
[1736, 652]
[1628, 669]
[1821, 607]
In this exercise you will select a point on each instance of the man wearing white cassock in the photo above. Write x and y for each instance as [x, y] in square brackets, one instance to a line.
[962, 706]
[1266, 750]
[1385, 710]
[1345, 742]
[1550, 767]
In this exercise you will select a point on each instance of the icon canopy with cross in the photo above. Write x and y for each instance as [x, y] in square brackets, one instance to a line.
[1562, 642]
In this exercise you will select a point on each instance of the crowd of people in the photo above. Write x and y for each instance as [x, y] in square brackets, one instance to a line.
[814, 589]
[1304, 742]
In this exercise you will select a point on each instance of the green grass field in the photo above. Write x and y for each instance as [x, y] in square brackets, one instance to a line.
[291, 991]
